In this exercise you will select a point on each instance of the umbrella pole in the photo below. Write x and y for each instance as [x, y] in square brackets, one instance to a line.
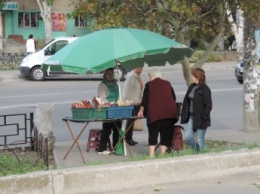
[118, 81]
[119, 90]
[125, 153]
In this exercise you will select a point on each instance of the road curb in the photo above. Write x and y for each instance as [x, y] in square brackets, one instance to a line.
[119, 176]
[9, 75]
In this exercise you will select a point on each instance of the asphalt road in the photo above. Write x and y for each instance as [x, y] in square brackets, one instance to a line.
[22, 96]
[242, 182]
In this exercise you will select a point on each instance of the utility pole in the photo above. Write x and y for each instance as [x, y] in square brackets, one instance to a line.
[251, 98]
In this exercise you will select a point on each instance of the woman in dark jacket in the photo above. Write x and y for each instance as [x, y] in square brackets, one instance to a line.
[159, 102]
[196, 108]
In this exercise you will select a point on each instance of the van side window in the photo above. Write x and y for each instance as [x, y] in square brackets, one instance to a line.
[55, 47]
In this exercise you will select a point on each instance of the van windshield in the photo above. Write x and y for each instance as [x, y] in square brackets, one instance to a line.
[48, 43]
[55, 46]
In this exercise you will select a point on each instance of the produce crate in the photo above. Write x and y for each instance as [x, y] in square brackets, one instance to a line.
[100, 113]
[82, 113]
[119, 112]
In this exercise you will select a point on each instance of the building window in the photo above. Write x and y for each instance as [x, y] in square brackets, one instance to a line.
[27, 20]
[80, 22]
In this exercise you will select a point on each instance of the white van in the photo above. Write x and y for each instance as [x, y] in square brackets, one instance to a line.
[30, 66]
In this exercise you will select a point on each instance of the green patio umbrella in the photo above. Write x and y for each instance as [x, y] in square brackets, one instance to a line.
[129, 47]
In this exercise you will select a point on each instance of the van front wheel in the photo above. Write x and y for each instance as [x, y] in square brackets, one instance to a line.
[37, 74]
[119, 73]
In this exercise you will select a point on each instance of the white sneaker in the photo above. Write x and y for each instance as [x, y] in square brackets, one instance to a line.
[105, 152]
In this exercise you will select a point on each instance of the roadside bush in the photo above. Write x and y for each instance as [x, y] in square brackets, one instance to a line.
[198, 53]
[201, 46]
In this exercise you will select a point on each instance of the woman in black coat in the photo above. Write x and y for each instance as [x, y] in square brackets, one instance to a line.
[196, 108]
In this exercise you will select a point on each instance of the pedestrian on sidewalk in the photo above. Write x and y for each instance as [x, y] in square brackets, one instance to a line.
[159, 101]
[30, 45]
[132, 91]
[108, 91]
[196, 108]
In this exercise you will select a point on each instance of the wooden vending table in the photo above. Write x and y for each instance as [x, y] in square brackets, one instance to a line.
[75, 138]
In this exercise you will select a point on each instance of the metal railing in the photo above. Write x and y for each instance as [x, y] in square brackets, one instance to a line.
[41, 146]
[16, 126]
[18, 130]
[11, 60]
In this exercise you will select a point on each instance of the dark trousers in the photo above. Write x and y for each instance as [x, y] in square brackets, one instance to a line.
[105, 133]
[164, 127]
[129, 134]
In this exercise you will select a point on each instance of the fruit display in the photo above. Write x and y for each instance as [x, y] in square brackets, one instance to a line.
[124, 103]
[96, 109]
[97, 103]
[82, 104]
[94, 103]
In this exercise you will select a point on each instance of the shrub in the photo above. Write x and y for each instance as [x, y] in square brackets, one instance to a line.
[198, 53]
[201, 46]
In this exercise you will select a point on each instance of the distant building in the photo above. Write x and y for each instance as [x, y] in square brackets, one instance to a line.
[22, 17]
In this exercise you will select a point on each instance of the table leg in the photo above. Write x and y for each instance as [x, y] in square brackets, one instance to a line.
[75, 140]
[127, 147]
[126, 130]
[123, 139]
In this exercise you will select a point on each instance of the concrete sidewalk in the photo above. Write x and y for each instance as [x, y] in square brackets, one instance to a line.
[122, 174]
[92, 157]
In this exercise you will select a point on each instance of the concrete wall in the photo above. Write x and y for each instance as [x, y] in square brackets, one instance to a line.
[112, 177]
[58, 5]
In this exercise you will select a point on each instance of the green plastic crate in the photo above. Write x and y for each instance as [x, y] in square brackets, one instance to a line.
[100, 113]
[82, 113]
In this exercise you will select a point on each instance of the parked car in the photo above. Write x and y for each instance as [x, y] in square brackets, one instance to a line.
[30, 66]
[239, 68]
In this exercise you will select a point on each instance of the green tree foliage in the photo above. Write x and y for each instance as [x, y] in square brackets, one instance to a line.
[182, 20]
[250, 7]
[2, 3]
[50, 2]
[161, 16]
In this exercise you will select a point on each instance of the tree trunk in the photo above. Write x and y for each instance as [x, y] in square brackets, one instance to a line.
[46, 16]
[237, 28]
[214, 42]
[48, 28]
[240, 31]
[251, 87]
[1, 33]
[209, 50]
[185, 62]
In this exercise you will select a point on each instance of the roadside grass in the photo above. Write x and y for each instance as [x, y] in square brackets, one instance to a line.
[19, 161]
[211, 147]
